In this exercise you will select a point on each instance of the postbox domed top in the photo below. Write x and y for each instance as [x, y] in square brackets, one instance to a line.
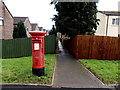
[37, 33]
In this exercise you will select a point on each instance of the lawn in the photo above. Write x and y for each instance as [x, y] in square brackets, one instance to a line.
[19, 70]
[105, 70]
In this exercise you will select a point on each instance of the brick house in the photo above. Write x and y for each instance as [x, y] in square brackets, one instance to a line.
[35, 27]
[26, 22]
[41, 28]
[6, 22]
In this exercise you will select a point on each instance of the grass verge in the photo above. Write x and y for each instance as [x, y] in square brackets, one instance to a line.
[19, 70]
[105, 70]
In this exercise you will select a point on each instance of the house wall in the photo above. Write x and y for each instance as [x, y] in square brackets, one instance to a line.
[1, 9]
[8, 24]
[101, 29]
[28, 25]
[37, 28]
[119, 31]
[7, 30]
[105, 27]
[1, 31]
[0, 27]
[112, 29]
[1, 16]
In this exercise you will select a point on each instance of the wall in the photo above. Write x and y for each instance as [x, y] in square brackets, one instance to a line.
[112, 29]
[101, 29]
[1, 16]
[1, 9]
[28, 24]
[7, 30]
[105, 27]
[37, 28]
[8, 24]
[1, 28]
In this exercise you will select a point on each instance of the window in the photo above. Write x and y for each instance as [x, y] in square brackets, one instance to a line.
[116, 21]
[1, 21]
[113, 21]
[26, 28]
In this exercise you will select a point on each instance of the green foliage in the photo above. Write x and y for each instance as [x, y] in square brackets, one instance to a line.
[74, 18]
[15, 32]
[19, 30]
[53, 31]
[19, 70]
[105, 70]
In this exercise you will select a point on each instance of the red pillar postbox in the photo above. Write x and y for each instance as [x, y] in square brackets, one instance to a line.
[37, 52]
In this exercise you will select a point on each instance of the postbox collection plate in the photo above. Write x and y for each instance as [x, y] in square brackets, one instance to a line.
[36, 46]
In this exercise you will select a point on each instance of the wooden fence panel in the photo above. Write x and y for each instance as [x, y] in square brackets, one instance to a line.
[16, 48]
[118, 48]
[50, 44]
[74, 43]
[95, 47]
[83, 46]
[22, 47]
[91, 46]
[71, 45]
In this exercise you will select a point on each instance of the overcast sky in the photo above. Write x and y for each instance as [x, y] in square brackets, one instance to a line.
[41, 12]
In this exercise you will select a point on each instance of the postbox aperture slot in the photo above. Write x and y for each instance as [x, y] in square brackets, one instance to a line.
[37, 41]
[36, 46]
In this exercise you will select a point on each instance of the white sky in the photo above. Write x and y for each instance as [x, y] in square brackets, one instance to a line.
[40, 11]
[108, 5]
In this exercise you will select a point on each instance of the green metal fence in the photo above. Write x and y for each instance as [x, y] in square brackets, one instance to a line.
[50, 44]
[22, 47]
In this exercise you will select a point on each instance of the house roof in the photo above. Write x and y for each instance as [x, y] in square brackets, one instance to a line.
[7, 8]
[34, 25]
[40, 28]
[18, 19]
[111, 13]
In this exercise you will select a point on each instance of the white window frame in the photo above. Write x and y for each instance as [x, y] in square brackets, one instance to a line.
[1, 21]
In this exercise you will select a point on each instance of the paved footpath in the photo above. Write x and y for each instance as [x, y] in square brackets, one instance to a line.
[69, 73]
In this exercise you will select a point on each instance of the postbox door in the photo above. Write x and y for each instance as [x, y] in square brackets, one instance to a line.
[37, 55]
